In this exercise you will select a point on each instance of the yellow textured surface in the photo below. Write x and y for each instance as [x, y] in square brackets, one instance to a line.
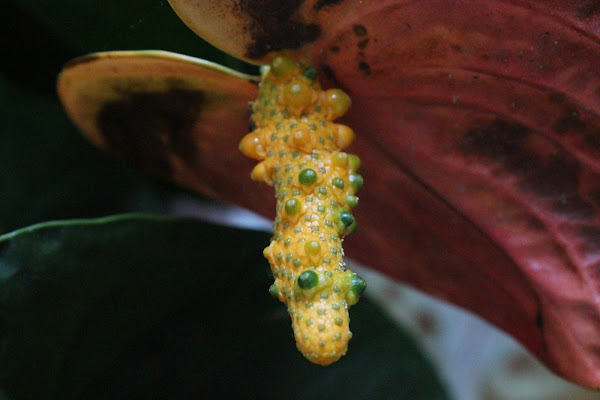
[294, 133]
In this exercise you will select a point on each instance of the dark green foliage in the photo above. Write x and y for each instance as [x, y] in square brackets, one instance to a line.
[151, 307]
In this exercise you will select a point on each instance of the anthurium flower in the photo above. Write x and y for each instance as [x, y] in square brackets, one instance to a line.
[478, 124]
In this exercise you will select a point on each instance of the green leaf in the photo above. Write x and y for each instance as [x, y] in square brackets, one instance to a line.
[154, 307]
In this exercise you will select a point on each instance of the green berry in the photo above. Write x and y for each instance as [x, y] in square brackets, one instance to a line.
[312, 247]
[340, 160]
[298, 94]
[352, 228]
[356, 181]
[308, 279]
[346, 218]
[282, 65]
[274, 291]
[292, 206]
[338, 183]
[354, 161]
[339, 101]
[310, 73]
[357, 285]
[351, 201]
[307, 176]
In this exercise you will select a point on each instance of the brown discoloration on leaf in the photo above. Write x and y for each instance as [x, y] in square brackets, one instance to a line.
[569, 122]
[501, 141]
[364, 67]
[539, 321]
[359, 30]
[255, 30]
[554, 176]
[274, 26]
[574, 206]
[170, 115]
[326, 3]
[149, 128]
[330, 75]
[587, 9]
[592, 140]
[590, 235]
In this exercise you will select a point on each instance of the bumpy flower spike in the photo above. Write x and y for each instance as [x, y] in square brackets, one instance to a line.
[315, 185]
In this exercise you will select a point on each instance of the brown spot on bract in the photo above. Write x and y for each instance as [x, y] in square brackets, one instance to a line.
[592, 140]
[539, 320]
[595, 196]
[330, 75]
[325, 3]
[363, 43]
[359, 30]
[251, 125]
[500, 141]
[587, 9]
[556, 176]
[574, 206]
[591, 236]
[568, 122]
[364, 67]
[556, 179]
[146, 128]
[542, 169]
[274, 26]
[557, 97]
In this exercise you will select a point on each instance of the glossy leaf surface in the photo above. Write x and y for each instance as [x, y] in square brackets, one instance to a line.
[153, 307]
[479, 126]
